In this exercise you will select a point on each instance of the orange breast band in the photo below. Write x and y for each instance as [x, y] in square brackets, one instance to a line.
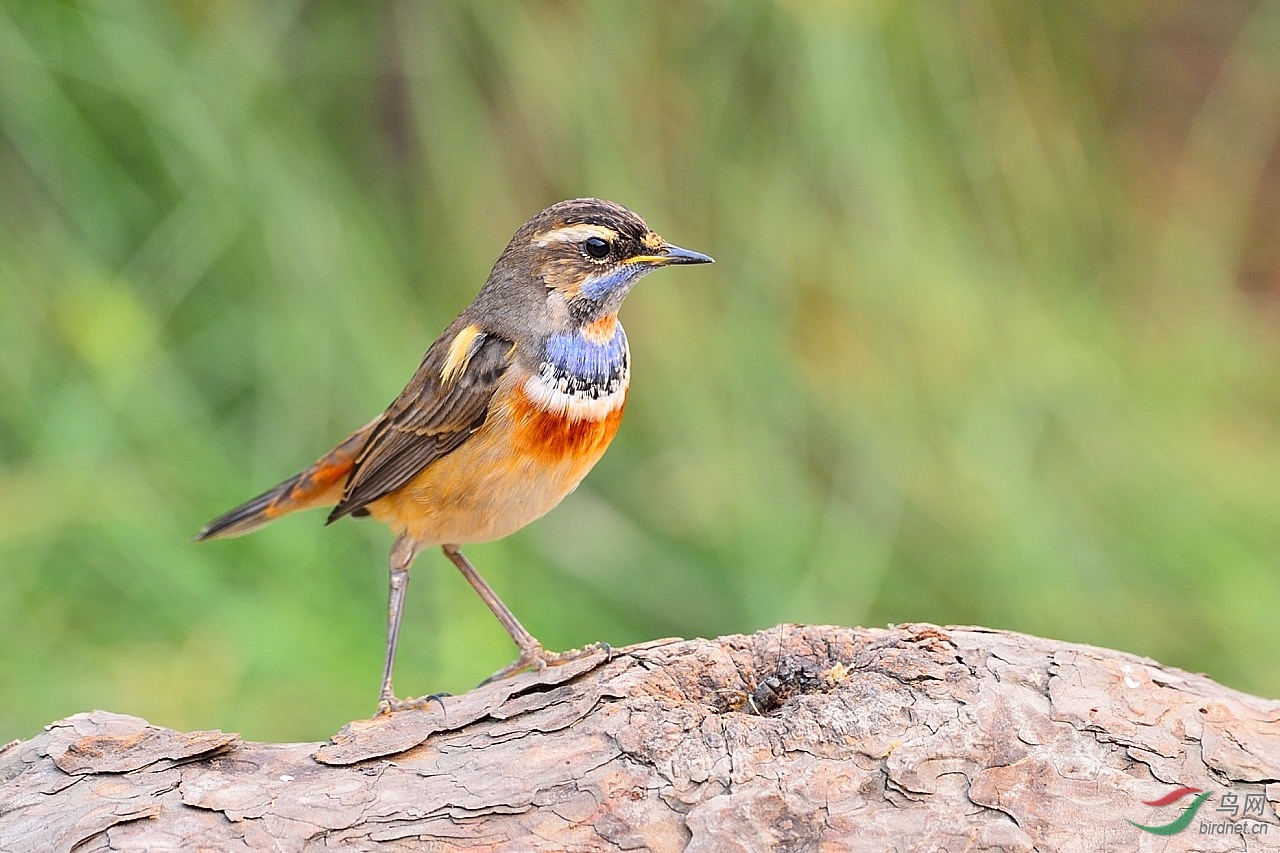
[555, 437]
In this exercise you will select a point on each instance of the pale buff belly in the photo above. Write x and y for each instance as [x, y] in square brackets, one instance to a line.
[515, 469]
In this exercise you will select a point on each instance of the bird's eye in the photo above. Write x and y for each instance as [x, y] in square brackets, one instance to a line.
[596, 247]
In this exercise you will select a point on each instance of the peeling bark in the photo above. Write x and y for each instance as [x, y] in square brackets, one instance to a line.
[798, 738]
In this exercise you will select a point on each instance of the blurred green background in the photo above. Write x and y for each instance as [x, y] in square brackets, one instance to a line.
[992, 337]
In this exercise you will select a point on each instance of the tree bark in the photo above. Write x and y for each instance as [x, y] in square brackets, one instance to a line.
[913, 737]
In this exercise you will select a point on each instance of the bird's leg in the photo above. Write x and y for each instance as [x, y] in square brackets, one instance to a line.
[402, 554]
[531, 653]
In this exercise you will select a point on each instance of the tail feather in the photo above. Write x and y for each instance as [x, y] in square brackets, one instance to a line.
[319, 485]
[252, 514]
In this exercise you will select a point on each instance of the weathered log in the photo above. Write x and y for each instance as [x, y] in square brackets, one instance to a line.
[797, 738]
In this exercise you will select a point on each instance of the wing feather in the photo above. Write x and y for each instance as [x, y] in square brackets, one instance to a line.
[432, 417]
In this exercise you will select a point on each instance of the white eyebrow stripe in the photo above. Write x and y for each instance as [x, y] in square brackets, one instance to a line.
[576, 234]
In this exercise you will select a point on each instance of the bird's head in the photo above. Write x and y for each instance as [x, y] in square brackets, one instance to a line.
[588, 253]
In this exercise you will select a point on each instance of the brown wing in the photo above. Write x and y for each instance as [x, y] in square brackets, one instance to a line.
[430, 418]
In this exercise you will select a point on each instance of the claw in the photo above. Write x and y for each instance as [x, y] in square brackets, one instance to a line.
[390, 704]
[535, 658]
[531, 657]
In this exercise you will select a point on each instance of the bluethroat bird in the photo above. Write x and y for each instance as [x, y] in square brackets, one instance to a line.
[508, 411]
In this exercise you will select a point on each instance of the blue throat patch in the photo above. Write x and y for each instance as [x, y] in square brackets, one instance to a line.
[623, 276]
[588, 369]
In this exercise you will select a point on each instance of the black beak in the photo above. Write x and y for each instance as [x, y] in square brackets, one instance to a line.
[676, 255]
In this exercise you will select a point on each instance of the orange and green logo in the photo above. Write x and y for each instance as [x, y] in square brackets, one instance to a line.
[1183, 820]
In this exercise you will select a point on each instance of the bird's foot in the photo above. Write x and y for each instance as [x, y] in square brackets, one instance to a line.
[389, 704]
[534, 657]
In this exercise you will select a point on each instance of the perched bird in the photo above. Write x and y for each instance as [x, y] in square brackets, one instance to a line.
[508, 411]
